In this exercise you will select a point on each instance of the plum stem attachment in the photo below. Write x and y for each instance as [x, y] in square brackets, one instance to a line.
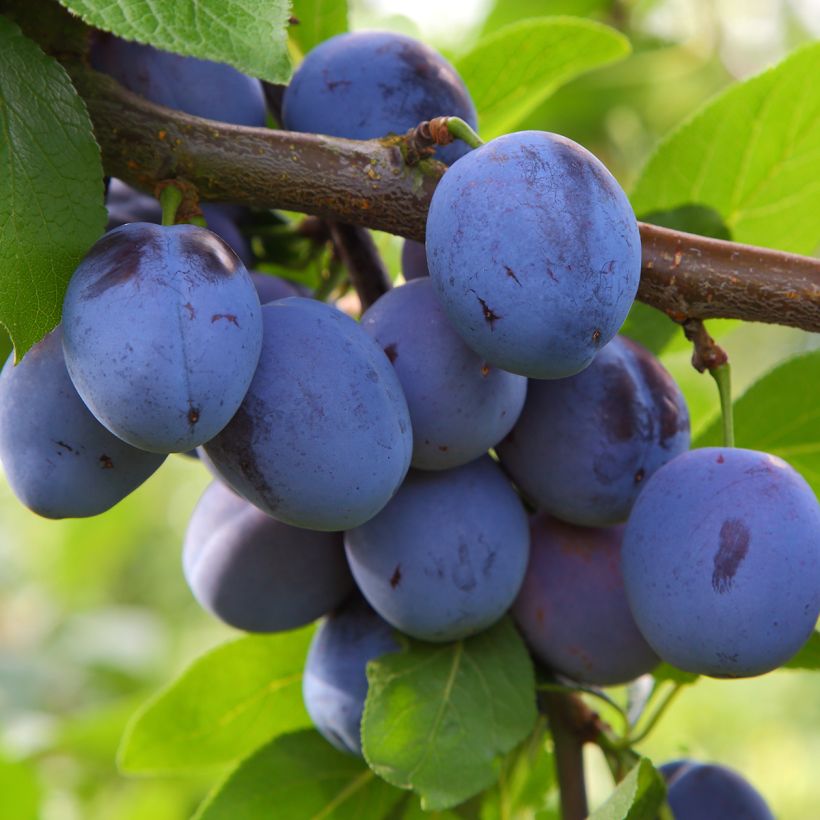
[461, 130]
[419, 142]
[709, 355]
[170, 199]
[723, 378]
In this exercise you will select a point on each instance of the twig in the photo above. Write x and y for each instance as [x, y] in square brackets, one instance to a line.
[360, 256]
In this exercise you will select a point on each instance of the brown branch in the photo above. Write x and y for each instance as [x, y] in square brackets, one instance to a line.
[707, 353]
[370, 184]
[566, 714]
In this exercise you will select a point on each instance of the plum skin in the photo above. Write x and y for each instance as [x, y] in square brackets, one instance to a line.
[699, 791]
[721, 562]
[534, 250]
[256, 573]
[596, 642]
[459, 407]
[161, 333]
[584, 446]
[369, 84]
[59, 460]
[334, 686]
[199, 87]
[324, 442]
[446, 557]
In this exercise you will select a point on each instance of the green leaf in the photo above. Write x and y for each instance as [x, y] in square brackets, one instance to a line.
[51, 194]
[438, 716]
[780, 414]
[512, 71]
[503, 11]
[751, 155]
[300, 775]
[250, 35]
[226, 704]
[319, 20]
[637, 797]
[411, 810]
[526, 786]
[809, 656]
[20, 789]
[650, 327]
[665, 671]
[691, 218]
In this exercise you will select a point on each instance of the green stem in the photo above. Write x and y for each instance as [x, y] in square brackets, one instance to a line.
[723, 377]
[462, 131]
[664, 704]
[170, 199]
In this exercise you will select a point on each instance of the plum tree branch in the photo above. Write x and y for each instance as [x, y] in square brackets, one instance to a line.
[369, 184]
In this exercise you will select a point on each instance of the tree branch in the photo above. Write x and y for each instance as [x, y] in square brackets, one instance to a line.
[369, 184]
[566, 714]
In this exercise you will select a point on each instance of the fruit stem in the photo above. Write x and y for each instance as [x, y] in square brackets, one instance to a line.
[462, 131]
[723, 378]
[655, 717]
[170, 199]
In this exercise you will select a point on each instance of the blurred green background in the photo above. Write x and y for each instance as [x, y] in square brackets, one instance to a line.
[95, 615]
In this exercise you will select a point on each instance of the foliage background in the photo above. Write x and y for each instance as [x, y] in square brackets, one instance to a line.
[95, 615]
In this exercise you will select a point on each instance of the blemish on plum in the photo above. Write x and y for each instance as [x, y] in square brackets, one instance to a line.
[596, 336]
[720, 459]
[663, 392]
[511, 274]
[640, 475]
[64, 446]
[106, 463]
[463, 575]
[193, 415]
[228, 317]
[391, 352]
[443, 448]
[485, 370]
[191, 311]
[395, 578]
[489, 315]
[617, 406]
[209, 254]
[733, 547]
[119, 254]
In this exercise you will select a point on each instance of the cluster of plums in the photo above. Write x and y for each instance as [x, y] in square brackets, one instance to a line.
[383, 472]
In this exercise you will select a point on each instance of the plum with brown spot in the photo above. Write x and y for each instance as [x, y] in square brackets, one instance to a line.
[59, 460]
[539, 274]
[459, 408]
[177, 312]
[721, 562]
[322, 438]
[446, 557]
